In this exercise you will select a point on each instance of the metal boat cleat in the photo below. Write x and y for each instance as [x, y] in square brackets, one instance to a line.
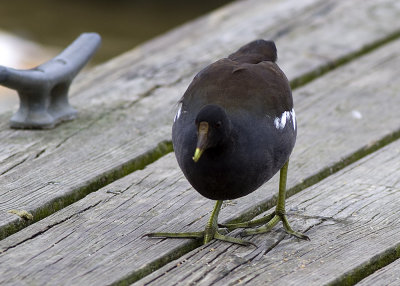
[43, 90]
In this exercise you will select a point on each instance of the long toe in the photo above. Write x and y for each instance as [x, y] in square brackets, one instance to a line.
[271, 223]
[233, 240]
[175, 234]
[247, 224]
[290, 231]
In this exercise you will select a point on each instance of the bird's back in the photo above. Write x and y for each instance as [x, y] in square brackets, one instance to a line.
[256, 96]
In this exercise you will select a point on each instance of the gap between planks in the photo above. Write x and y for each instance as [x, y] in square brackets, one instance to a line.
[352, 217]
[357, 155]
[336, 99]
[319, 7]
[165, 147]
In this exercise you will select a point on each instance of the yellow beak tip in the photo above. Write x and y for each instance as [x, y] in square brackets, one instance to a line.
[197, 155]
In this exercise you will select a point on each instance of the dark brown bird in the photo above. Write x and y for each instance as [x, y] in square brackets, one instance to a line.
[234, 130]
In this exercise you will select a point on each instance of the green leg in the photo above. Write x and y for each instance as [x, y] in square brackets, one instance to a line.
[210, 232]
[268, 222]
[280, 213]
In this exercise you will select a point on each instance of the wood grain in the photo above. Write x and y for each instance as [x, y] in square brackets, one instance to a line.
[98, 239]
[351, 217]
[126, 105]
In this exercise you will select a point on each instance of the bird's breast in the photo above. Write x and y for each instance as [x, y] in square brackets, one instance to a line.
[255, 153]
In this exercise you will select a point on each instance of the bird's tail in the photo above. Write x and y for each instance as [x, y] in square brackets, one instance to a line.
[255, 52]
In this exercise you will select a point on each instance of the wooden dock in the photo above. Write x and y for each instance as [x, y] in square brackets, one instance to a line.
[95, 185]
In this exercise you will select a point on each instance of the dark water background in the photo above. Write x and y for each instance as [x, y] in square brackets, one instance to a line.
[122, 24]
[51, 25]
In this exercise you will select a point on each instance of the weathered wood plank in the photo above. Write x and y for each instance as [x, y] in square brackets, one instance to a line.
[352, 219]
[386, 276]
[298, 27]
[98, 239]
[126, 105]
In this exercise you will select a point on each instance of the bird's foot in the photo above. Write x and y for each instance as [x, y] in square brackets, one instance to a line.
[248, 224]
[266, 223]
[271, 223]
[206, 236]
[211, 231]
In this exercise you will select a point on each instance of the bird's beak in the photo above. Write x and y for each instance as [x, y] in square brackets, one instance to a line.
[202, 136]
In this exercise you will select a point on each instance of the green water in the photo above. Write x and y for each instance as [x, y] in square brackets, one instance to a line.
[122, 24]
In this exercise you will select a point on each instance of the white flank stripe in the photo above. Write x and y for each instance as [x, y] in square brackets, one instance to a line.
[280, 122]
[293, 118]
[178, 114]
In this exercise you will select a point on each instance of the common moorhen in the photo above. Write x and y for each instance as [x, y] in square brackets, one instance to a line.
[234, 130]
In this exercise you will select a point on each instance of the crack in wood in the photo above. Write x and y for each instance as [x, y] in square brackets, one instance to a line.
[38, 154]
[322, 218]
[15, 165]
[48, 227]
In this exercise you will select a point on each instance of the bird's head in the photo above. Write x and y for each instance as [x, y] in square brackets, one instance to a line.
[213, 129]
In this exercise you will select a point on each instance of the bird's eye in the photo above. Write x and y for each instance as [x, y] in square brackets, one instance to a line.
[218, 124]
